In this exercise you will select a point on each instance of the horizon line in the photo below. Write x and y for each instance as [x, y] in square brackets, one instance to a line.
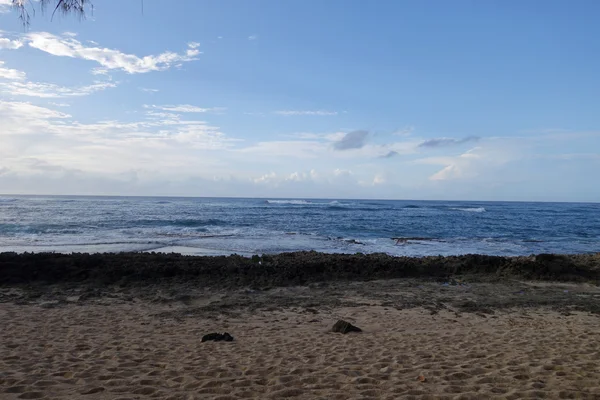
[293, 198]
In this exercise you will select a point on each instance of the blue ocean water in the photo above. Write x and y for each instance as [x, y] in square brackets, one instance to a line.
[211, 226]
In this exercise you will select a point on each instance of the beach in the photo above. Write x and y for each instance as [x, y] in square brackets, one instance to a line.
[130, 326]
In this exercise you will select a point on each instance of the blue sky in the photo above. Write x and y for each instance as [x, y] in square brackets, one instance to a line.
[494, 100]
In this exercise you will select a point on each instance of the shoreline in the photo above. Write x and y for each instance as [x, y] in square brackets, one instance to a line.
[285, 269]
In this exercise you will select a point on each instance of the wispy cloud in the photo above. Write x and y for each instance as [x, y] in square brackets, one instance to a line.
[12, 74]
[27, 117]
[193, 45]
[185, 108]
[252, 37]
[50, 90]
[22, 111]
[107, 58]
[352, 140]
[289, 113]
[445, 142]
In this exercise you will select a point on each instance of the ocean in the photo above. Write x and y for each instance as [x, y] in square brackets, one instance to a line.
[223, 226]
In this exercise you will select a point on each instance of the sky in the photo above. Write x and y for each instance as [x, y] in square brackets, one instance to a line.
[464, 100]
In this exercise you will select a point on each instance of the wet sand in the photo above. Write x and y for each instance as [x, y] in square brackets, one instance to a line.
[467, 337]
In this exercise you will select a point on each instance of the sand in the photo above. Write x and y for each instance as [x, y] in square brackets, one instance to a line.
[145, 342]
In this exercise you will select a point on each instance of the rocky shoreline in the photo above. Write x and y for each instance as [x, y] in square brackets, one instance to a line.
[286, 269]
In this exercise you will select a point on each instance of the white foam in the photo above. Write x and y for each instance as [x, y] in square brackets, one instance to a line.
[298, 202]
[471, 209]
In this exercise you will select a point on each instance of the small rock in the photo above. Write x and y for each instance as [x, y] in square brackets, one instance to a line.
[218, 337]
[345, 327]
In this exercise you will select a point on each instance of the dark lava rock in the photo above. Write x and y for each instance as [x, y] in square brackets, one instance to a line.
[286, 269]
[345, 327]
[218, 337]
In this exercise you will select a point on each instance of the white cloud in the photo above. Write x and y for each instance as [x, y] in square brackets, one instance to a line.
[44, 149]
[107, 58]
[475, 162]
[252, 37]
[166, 148]
[59, 104]
[342, 172]
[50, 90]
[148, 90]
[452, 171]
[306, 145]
[27, 111]
[289, 113]
[5, 6]
[185, 108]
[162, 115]
[311, 175]
[193, 45]
[9, 73]
[379, 179]
[99, 71]
[10, 44]
[266, 178]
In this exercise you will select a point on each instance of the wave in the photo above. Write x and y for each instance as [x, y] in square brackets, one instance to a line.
[297, 202]
[470, 209]
[306, 202]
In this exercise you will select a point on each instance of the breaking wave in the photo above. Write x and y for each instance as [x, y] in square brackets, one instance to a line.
[471, 209]
[296, 202]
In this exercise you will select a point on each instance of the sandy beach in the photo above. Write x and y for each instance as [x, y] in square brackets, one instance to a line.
[471, 337]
